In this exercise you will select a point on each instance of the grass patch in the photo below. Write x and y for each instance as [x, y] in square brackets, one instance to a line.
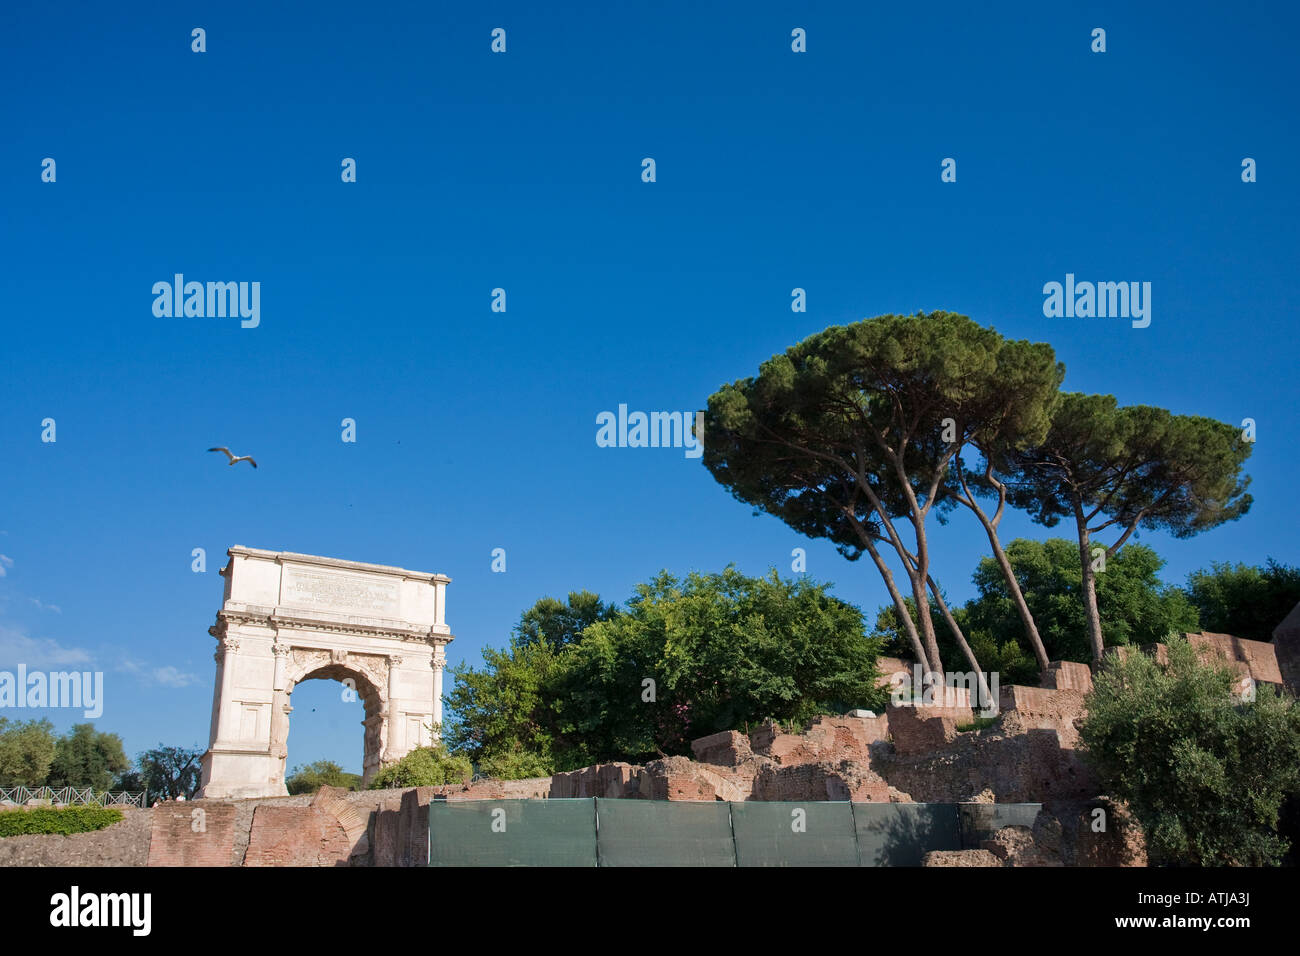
[979, 723]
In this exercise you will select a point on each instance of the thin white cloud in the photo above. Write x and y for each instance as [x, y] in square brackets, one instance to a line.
[166, 676]
[5, 563]
[46, 607]
[171, 677]
[17, 647]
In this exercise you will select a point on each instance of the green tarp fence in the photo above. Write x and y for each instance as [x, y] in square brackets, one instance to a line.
[663, 833]
[901, 834]
[603, 832]
[512, 833]
[794, 834]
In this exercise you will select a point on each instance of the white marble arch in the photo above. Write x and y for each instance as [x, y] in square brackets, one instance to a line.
[291, 617]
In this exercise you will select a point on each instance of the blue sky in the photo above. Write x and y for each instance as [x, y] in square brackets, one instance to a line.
[476, 170]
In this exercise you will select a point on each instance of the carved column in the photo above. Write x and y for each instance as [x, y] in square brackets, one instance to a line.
[227, 714]
[394, 662]
[281, 652]
[216, 687]
[396, 734]
[438, 662]
[280, 704]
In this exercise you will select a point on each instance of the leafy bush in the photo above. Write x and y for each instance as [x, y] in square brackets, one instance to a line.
[1136, 608]
[501, 715]
[706, 653]
[424, 767]
[515, 765]
[26, 752]
[63, 820]
[505, 708]
[86, 757]
[322, 773]
[166, 772]
[559, 624]
[1205, 773]
[1242, 600]
[1009, 660]
[687, 657]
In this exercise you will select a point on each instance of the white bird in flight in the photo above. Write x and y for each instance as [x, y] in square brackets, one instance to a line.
[236, 458]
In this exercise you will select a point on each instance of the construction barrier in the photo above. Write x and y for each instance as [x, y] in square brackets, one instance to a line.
[901, 834]
[596, 831]
[512, 833]
[663, 833]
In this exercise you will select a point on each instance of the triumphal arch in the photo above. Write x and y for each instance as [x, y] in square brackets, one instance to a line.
[287, 618]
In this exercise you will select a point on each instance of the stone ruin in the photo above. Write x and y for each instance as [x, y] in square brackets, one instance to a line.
[907, 754]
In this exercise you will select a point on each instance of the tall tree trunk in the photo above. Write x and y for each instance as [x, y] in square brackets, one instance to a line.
[917, 568]
[986, 696]
[1089, 585]
[918, 576]
[999, 555]
[1017, 595]
[925, 621]
[900, 605]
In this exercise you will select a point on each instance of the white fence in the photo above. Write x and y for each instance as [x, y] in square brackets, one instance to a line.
[72, 796]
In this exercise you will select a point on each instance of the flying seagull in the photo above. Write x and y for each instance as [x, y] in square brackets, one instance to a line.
[234, 459]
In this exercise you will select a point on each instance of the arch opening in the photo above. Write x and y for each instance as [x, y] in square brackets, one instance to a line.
[355, 682]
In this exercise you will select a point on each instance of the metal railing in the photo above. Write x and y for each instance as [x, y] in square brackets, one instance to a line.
[73, 796]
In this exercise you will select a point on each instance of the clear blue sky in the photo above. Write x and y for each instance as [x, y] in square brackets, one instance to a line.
[476, 429]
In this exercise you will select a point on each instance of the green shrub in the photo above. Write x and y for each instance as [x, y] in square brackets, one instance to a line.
[1136, 608]
[63, 820]
[1243, 600]
[585, 683]
[1205, 773]
[424, 767]
[322, 773]
[1011, 662]
[722, 650]
[979, 723]
[515, 765]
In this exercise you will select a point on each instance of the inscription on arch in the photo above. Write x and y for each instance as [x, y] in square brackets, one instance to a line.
[322, 589]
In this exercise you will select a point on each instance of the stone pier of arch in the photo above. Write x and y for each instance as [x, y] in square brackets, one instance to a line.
[289, 617]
